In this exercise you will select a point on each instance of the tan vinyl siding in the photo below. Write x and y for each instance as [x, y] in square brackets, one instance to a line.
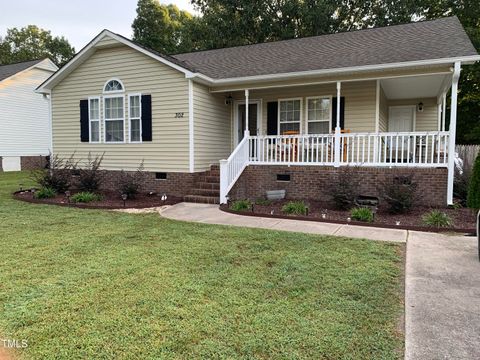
[383, 111]
[212, 127]
[359, 102]
[140, 74]
[427, 120]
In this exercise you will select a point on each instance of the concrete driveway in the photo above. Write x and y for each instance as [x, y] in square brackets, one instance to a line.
[442, 278]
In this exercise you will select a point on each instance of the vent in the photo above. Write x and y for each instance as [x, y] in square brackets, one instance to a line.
[283, 177]
[161, 176]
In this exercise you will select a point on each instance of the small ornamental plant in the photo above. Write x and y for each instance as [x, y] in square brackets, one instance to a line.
[362, 214]
[241, 205]
[473, 196]
[45, 193]
[295, 208]
[85, 197]
[437, 219]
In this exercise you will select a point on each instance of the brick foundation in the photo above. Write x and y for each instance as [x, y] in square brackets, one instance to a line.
[313, 182]
[176, 184]
[33, 162]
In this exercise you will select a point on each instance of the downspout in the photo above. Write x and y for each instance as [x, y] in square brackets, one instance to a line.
[452, 130]
[191, 138]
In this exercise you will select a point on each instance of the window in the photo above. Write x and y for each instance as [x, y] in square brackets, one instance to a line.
[319, 115]
[289, 115]
[113, 85]
[113, 115]
[135, 115]
[94, 119]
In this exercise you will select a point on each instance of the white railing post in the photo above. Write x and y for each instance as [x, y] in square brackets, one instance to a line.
[223, 181]
[452, 130]
[337, 129]
[247, 131]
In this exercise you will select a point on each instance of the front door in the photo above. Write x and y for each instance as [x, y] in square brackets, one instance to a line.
[401, 119]
[252, 120]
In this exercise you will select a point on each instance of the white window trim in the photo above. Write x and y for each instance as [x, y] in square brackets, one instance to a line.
[307, 121]
[113, 91]
[130, 119]
[290, 122]
[99, 121]
[121, 95]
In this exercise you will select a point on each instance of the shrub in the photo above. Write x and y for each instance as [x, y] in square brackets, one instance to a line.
[241, 205]
[85, 197]
[344, 189]
[130, 183]
[263, 202]
[473, 197]
[400, 193]
[460, 186]
[58, 176]
[45, 193]
[295, 208]
[437, 218]
[90, 176]
[362, 214]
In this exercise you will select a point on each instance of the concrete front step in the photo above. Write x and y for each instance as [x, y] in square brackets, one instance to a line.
[202, 199]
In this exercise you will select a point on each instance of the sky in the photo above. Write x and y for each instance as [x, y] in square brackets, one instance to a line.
[79, 21]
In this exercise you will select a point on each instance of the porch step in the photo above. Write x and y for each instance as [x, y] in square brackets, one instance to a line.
[206, 188]
[202, 199]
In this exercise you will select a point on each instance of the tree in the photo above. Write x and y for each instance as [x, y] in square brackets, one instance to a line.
[162, 27]
[32, 42]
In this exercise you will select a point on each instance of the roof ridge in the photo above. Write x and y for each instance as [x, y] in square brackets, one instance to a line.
[26, 61]
[317, 36]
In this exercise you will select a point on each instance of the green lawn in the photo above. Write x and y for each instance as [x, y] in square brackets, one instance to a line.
[96, 284]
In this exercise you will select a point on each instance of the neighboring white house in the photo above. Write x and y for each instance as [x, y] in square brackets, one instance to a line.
[24, 114]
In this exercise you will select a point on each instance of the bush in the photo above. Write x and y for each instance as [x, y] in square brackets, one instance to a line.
[295, 208]
[437, 218]
[85, 197]
[58, 176]
[129, 183]
[241, 205]
[90, 177]
[45, 193]
[362, 214]
[460, 186]
[263, 202]
[473, 197]
[400, 193]
[344, 189]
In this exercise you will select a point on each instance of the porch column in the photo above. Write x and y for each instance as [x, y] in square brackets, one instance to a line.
[247, 94]
[452, 130]
[444, 109]
[337, 128]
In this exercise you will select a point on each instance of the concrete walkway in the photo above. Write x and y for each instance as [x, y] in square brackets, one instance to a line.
[211, 214]
[442, 278]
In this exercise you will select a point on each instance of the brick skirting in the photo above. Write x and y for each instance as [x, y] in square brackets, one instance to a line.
[313, 182]
[176, 184]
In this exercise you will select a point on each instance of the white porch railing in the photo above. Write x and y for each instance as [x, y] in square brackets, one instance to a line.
[410, 149]
[232, 168]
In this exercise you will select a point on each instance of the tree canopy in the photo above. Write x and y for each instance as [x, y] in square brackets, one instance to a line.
[32, 42]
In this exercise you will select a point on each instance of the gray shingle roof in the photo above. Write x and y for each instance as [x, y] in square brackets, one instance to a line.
[436, 39]
[9, 70]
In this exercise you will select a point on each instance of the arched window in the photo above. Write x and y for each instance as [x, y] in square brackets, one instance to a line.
[113, 85]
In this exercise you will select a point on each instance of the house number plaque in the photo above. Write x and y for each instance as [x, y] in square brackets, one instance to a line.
[179, 115]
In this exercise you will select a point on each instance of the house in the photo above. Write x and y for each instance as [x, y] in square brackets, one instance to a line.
[25, 138]
[290, 114]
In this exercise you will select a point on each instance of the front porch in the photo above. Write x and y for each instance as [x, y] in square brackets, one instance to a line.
[388, 122]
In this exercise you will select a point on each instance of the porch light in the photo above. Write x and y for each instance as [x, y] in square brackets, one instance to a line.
[228, 99]
[420, 107]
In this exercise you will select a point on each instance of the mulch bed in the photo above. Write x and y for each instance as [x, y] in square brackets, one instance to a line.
[464, 219]
[110, 200]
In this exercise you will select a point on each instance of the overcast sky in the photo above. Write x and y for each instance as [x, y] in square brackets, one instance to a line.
[79, 21]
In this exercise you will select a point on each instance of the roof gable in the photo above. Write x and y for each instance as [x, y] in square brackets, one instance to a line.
[421, 41]
[7, 71]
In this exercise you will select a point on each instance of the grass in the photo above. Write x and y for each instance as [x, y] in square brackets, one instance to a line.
[82, 283]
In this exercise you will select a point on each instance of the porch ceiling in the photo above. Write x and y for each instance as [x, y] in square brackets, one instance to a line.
[415, 86]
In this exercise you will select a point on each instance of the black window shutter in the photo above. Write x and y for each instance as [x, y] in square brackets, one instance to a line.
[342, 113]
[146, 117]
[272, 118]
[84, 135]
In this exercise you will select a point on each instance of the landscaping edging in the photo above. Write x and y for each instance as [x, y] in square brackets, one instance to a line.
[169, 201]
[358, 223]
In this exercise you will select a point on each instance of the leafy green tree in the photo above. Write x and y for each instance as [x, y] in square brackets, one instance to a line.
[162, 27]
[32, 42]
